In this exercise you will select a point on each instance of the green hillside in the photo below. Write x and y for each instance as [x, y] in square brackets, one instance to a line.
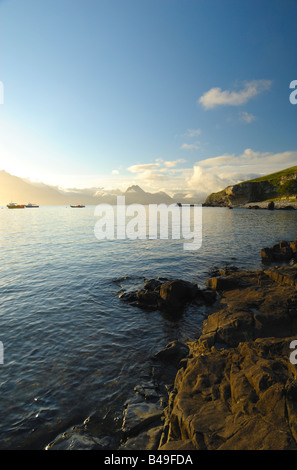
[275, 178]
[282, 184]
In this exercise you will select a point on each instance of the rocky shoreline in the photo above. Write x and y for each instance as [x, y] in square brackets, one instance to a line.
[238, 388]
[235, 387]
[279, 205]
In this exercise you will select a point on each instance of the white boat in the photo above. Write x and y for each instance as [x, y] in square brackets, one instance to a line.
[30, 205]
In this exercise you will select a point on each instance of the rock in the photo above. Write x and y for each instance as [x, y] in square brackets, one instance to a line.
[72, 440]
[152, 284]
[165, 295]
[260, 303]
[179, 445]
[242, 193]
[221, 283]
[147, 391]
[146, 440]
[175, 294]
[173, 353]
[237, 389]
[281, 252]
[253, 191]
[139, 416]
[208, 296]
[243, 398]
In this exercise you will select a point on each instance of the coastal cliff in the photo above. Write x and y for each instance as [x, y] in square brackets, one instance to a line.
[257, 190]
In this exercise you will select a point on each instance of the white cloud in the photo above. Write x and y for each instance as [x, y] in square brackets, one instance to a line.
[192, 132]
[246, 117]
[194, 146]
[206, 181]
[217, 97]
[214, 174]
[251, 161]
[143, 167]
[172, 164]
[115, 172]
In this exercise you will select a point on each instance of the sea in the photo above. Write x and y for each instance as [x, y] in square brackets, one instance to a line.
[71, 348]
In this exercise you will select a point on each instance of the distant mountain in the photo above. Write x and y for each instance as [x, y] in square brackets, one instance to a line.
[15, 189]
[255, 190]
[134, 194]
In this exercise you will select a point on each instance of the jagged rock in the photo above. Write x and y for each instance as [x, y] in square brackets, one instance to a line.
[242, 398]
[173, 353]
[72, 440]
[279, 253]
[146, 440]
[237, 389]
[140, 415]
[261, 303]
[170, 296]
[175, 294]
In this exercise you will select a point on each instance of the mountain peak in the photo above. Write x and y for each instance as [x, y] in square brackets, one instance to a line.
[134, 189]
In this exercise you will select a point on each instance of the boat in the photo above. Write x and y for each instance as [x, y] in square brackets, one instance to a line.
[77, 205]
[179, 204]
[14, 205]
[30, 205]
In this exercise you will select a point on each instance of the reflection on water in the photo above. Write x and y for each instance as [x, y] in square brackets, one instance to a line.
[71, 347]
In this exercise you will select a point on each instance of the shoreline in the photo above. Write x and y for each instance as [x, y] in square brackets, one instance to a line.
[238, 388]
[234, 387]
[264, 205]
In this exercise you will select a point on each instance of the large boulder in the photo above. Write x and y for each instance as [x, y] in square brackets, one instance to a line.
[281, 252]
[175, 294]
[167, 295]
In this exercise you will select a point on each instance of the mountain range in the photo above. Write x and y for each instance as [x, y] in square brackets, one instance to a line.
[22, 191]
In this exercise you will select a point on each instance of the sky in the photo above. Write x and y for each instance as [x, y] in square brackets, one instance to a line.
[174, 95]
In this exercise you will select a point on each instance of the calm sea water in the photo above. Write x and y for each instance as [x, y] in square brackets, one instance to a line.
[71, 347]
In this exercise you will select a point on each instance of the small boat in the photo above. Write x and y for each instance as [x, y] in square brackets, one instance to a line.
[13, 205]
[185, 205]
[77, 205]
[30, 205]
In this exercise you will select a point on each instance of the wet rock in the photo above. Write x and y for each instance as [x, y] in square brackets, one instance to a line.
[237, 388]
[76, 440]
[170, 296]
[152, 284]
[139, 416]
[222, 283]
[281, 252]
[176, 293]
[146, 440]
[173, 353]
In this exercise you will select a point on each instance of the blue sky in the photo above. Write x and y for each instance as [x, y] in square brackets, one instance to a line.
[178, 95]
